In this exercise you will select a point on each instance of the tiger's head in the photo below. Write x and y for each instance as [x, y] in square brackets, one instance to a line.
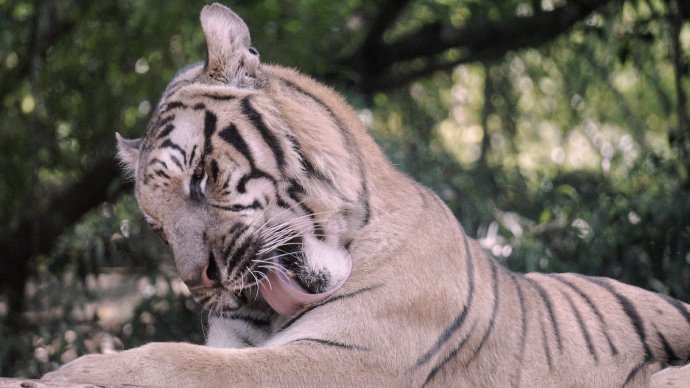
[245, 174]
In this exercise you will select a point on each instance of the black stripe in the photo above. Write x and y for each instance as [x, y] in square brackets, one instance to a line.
[232, 136]
[239, 253]
[254, 321]
[169, 144]
[166, 120]
[210, 121]
[235, 233]
[219, 97]
[328, 109]
[156, 160]
[166, 131]
[162, 173]
[325, 302]
[268, 136]
[281, 203]
[456, 350]
[583, 328]
[460, 318]
[547, 348]
[174, 88]
[634, 371]
[422, 195]
[226, 184]
[668, 349]
[544, 339]
[214, 170]
[246, 258]
[245, 341]
[253, 174]
[549, 308]
[199, 106]
[588, 301]
[364, 199]
[294, 191]
[177, 162]
[225, 253]
[629, 309]
[678, 306]
[309, 167]
[349, 143]
[494, 311]
[237, 228]
[331, 343]
[311, 170]
[173, 105]
[348, 295]
[523, 326]
[195, 193]
[319, 232]
[237, 207]
[192, 155]
[450, 356]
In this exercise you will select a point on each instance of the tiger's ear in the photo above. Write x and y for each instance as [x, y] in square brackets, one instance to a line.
[128, 153]
[230, 57]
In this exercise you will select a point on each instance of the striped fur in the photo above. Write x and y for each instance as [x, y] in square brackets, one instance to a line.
[243, 161]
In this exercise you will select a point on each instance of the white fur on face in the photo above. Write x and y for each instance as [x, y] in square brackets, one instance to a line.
[320, 256]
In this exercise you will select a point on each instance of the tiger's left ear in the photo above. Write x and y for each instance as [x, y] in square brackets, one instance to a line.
[128, 153]
[230, 57]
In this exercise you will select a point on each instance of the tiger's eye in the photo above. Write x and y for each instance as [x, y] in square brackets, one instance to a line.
[199, 171]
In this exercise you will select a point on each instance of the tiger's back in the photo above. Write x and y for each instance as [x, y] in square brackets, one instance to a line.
[248, 169]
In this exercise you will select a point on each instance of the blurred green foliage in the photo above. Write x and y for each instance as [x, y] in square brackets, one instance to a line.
[567, 156]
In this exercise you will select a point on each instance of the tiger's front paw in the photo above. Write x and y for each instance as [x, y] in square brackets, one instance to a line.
[128, 367]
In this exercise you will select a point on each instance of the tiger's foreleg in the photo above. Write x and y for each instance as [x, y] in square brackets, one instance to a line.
[299, 363]
[671, 377]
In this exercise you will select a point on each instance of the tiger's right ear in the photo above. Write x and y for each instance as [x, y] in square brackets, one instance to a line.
[128, 153]
[229, 55]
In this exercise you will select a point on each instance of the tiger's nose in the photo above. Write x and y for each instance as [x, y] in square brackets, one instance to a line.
[209, 276]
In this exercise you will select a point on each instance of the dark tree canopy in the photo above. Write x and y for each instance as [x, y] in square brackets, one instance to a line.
[557, 130]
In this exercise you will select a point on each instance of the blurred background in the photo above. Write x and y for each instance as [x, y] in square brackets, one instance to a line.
[558, 131]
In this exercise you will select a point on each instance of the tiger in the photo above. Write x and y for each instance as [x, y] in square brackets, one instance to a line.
[320, 264]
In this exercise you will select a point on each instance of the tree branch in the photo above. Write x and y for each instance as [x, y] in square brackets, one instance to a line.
[477, 41]
[386, 16]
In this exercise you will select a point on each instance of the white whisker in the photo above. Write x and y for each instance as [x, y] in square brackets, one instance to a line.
[281, 212]
[256, 281]
[283, 255]
[279, 270]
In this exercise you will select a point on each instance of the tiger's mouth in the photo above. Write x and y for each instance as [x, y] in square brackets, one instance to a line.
[289, 260]
[288, 276]
[286, 296]
[290, 285]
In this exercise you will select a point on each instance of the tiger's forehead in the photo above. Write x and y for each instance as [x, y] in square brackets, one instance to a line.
[187, 119]
[181, 115]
